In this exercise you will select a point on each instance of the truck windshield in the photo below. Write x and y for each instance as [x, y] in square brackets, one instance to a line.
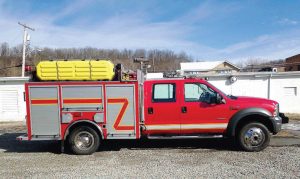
[220, 91]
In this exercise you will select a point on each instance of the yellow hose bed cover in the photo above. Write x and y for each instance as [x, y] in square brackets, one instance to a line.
[75, 70]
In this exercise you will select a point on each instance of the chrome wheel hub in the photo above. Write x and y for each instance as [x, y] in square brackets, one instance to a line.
[254, 137]
[84, 140]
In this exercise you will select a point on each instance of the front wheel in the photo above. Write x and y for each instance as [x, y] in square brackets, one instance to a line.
[254, 137]
[84, 141]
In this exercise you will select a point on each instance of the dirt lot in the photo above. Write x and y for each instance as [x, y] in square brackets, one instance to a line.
[158, 158]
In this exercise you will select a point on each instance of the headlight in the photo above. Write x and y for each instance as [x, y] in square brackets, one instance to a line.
[276, 112]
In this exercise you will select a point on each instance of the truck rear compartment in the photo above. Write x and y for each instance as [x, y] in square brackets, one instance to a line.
[53, 106]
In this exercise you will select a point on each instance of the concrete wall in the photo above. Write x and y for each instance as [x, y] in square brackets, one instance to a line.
[12, 105]
[281, 87]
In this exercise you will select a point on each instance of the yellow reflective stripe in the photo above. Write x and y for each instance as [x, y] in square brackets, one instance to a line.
[43, 99]
[51, 104]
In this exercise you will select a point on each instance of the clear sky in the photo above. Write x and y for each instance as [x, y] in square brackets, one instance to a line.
[207, 30]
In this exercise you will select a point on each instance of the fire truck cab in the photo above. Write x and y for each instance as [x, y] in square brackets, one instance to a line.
[84, 113]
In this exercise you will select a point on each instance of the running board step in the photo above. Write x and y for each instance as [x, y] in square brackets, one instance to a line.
[38, 137]
[186, 137]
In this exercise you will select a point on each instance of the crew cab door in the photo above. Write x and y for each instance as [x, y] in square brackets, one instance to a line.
[162, 107]
[199, 116]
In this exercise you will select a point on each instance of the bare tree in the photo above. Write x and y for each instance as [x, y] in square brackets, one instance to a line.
[4, 49]
[160, 60]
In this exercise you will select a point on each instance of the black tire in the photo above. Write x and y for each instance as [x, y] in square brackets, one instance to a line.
[84, 140]
[253, 137]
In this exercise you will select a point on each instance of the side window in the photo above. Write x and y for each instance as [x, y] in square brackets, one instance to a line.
[163, 93]
[193, 91]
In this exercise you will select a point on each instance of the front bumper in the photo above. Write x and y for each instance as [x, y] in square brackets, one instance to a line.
[277, 124]
[284, 118]
[278, 121]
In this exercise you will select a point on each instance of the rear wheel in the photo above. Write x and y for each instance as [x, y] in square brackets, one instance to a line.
[84, 140]
[253, 137]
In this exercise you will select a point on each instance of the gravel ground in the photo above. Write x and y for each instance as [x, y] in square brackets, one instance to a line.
[148, 159]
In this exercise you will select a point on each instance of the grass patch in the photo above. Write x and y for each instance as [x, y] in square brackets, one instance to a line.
[293, 116]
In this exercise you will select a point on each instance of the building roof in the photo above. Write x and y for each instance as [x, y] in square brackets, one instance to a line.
[202, 66]
[294, 56]
[7, 79]
[293, 59]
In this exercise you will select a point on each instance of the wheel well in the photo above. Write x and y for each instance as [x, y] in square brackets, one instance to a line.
[83, 123]
[254, 118]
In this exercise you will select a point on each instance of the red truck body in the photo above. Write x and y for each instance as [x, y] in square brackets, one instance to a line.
[80, 113]
[200, 117]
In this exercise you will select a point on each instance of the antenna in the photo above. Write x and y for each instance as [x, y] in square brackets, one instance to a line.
[141, 61]
[26, 38]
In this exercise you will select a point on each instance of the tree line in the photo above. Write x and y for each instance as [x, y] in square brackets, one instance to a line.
[159, 60]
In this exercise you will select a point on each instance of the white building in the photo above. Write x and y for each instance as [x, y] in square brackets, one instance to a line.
[282, 87]
[211, 67]
[12, 105]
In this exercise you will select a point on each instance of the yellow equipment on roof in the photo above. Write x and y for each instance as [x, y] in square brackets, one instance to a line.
[75, 70]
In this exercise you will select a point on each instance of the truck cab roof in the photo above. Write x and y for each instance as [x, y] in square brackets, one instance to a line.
[176, 79]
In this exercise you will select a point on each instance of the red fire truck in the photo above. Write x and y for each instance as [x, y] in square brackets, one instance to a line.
[84, 113]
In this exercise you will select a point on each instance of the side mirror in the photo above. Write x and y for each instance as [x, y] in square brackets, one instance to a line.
[206, 97]
[219, 99]
[212, 99]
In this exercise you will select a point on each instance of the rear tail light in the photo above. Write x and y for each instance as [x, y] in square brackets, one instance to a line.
[132, 76]
[28, 68]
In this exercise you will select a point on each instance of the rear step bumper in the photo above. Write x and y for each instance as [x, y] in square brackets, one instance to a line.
[22, 137]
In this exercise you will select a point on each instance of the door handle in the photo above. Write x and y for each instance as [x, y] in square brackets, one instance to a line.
[183, 109]
[150, 110]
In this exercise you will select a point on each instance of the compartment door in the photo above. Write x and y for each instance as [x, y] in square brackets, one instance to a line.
[44, 111]
[121, 118]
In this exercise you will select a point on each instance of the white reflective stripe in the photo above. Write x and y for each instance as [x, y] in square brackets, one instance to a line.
[163, 127]
[204, 126]
[187, 126]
